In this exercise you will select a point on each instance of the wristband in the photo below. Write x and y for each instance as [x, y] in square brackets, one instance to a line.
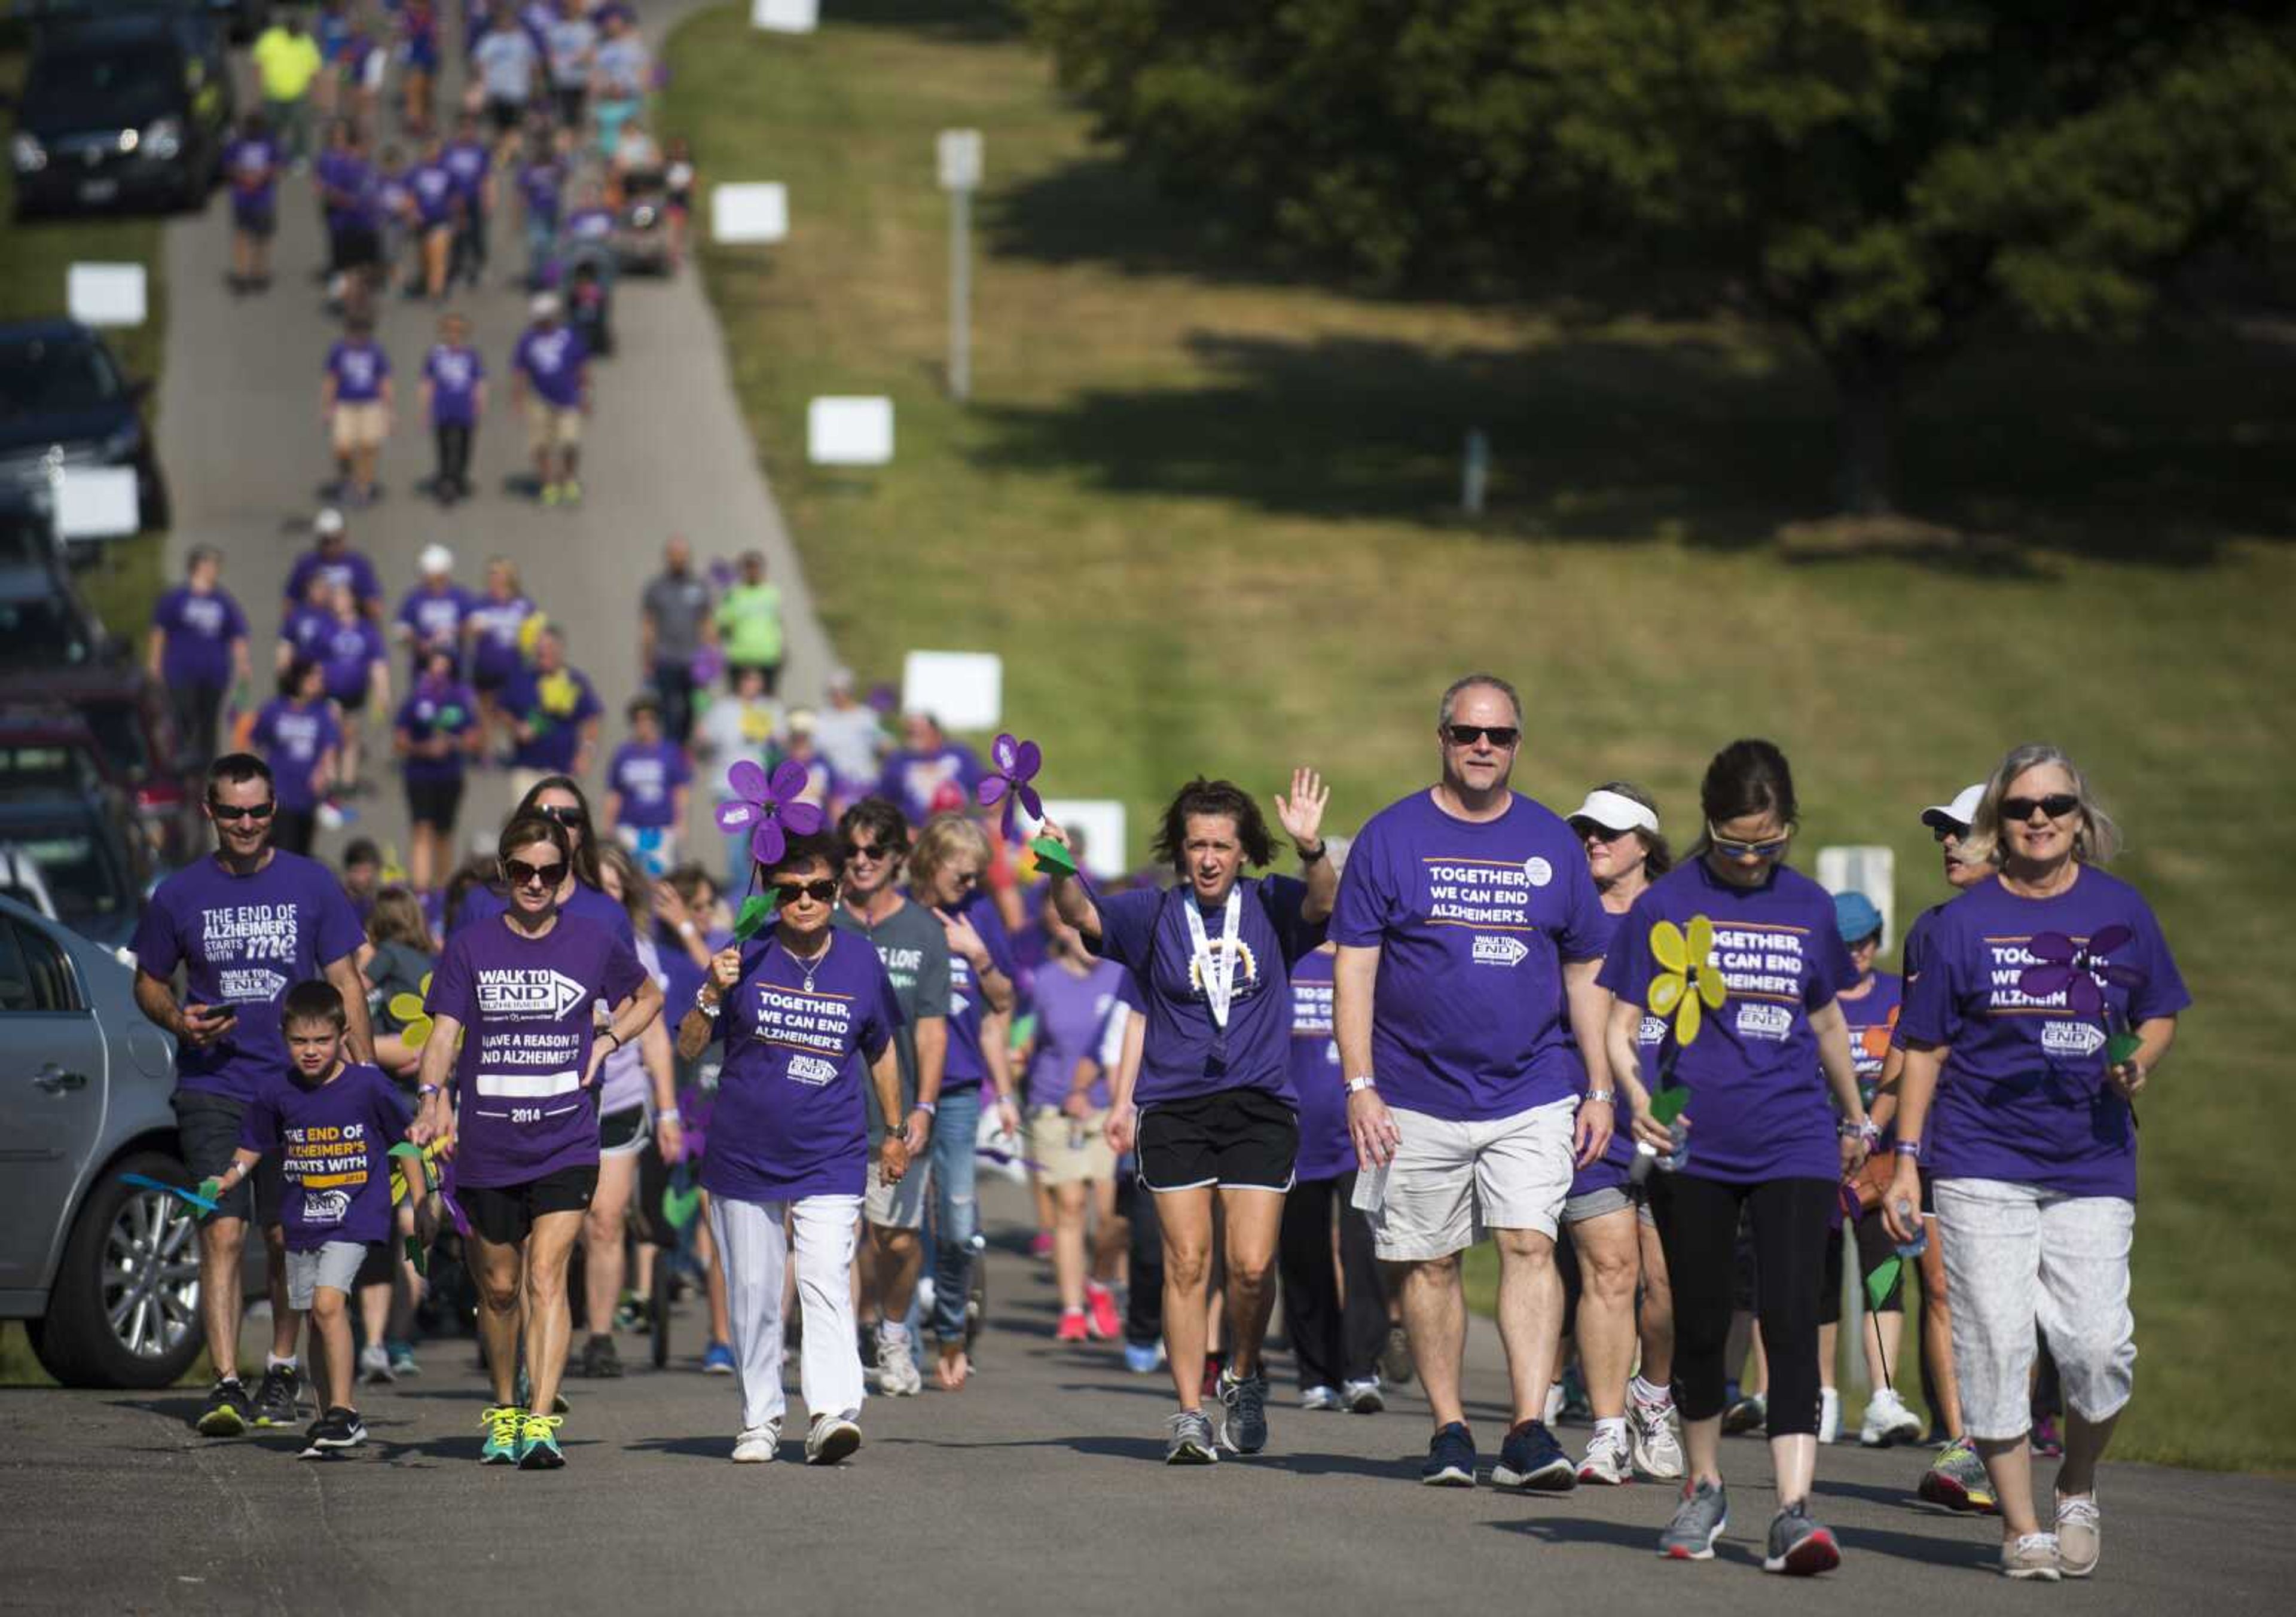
[703, 1003]
[1607, 1096]
[1308, 856]
[667, 1114]
[1359, 1084]
[1910, 1147]
[927, 1107]
[611, 1033]
[425, 1090]
[686, 928]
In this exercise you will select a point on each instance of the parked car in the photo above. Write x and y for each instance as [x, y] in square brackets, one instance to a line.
[121, 110]
[136, 734]
[104, 1275]
[96, 870]
[46, 622]
[21, 880]
[65, 404]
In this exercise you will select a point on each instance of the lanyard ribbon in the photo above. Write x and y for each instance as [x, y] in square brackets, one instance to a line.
[1219, 973]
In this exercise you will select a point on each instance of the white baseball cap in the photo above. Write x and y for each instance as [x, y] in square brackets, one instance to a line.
[328, 522]
[436, 559]
[544, 305]
[1961, 812]
[1616, 812]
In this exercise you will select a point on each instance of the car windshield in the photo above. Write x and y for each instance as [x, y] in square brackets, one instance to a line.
[83, 879]
[82, 86]
[42, 634]
[45, 769]
[42, 375]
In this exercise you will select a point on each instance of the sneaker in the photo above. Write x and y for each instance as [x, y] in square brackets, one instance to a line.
[275, 1397]
[831, 1437]
[2080, 1534]
[1450, 1461]
[375, 1366]
[1072, 1327]
[1395, 1364]
[1609, 1461]
[1244, 1399]
[1957, 1480]
[501, 1447]
[1363, 1397]
[1040, 1244]
[2031, 1557]
[1800, 1545]
[1190, 1441]
[226, 1412]
[537, 1442]
[757, 1445]
[1888, 1421]
[1319, 1398]
[1750, 1413]
[1143, 1358]
[631, 1313]
[339, 1428]
[600, 1361]
[718, 1359]
[2047, 1444]
[403, 1361]
[1576, 1405]
[550, 493]
[570, 491]
[896, 1367]
[1531, 1459]
[1100, 1313]
[1698, 1522]
[1651, 1438]
[1829, 1415]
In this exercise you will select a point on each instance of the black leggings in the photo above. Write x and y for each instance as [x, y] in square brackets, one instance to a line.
[1698, 1224]
[1334, 1342]
[454, 440]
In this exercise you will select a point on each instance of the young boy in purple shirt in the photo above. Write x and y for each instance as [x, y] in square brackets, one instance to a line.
[646, 782]
[251, 163]
[469, 158]
[354, 400]
[454, 398]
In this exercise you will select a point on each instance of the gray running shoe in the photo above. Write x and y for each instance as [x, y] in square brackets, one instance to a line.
[1363, 1397]
[1243, 1402]
[2032, 1558]
[276, 1397]
[1395, 1362]
[1191, 1441]
[1801, 1544]
[2080, 1534]
[1698, 1521]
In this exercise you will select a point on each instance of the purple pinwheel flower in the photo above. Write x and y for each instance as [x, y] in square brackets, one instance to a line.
[1017, 764]
[721, 574]
[2061, 967]
[770, 809]
[709, 663]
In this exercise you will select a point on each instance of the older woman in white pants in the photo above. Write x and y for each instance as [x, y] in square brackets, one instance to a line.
[2047, 998]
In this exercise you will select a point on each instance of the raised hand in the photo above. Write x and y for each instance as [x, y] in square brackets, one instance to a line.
[1302, 814]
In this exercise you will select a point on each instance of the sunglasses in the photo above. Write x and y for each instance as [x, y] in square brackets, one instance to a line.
[524, 875]
[871, 850]
[253, 811]
[787, 892]
[1501, 736]
[1586, 831]
[1949, 833]
[2056, 806]
[1730, 848]
[562, 816]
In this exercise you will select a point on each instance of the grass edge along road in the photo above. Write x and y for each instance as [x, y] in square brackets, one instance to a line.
[1202, 514]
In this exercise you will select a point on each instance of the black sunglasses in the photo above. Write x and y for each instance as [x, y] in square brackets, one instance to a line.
[562, 816]
[787, 892]
[1952, 832]
[1501, 736]
[2056, 806]
[874, 850]
[252, 810]
[524, 875]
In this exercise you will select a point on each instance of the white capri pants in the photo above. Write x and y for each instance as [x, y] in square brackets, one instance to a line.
[755, 1250]
[2018, 1256]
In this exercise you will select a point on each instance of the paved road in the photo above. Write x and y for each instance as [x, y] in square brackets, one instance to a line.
[667, 453]
[1036, 1490]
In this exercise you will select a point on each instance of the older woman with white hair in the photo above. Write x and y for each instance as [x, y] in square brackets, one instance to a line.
[2046, 1001]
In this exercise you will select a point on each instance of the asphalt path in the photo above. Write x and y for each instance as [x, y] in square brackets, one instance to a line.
[666, 453]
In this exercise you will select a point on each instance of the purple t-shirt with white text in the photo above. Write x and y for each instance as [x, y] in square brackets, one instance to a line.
[433, 709]
[347, 654]
[358, 369]
[551, 360]
[196, 631]
[495, 653]
[292, 737]
[1326, 1150]
[557, 711]
[348, 567]
[333, 1141]
[647, 778]
[453, 374]
[965, 1067]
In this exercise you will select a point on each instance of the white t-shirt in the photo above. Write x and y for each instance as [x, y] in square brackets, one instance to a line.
[849, 738]
[731, 730]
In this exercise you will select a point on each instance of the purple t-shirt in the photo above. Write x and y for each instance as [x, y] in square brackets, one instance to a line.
[433, 188]
[467, 162]
[557, 710]
[1759, 1108]
[453, 374]
[1186, 1053]
[254, 167]
[347, 187]
[495, 654]
[590, 224]
[358, 369]
[435, 709]
[1872, 1019]
[483, 903]
[306, 629]
[647, 777]
[434, 618]
[915, 780]
[1069, 1012]
[333, 1143]
[538, 186]
[350, 568]
[1326, 1150]
[244, 941]
[551, 360]
[965, 1069]
[346, 655]
[2022, 1096]
[1474, 921]
[292, 738]
[790, 1118]
[196, 631]
[525, 1005]
[1609, 1170]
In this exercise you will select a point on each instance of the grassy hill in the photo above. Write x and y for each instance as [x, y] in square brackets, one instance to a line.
[1209, 520]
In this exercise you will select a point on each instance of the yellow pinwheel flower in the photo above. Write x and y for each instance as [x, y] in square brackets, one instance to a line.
[1691, 984]
[558, 693]
[406, 1010]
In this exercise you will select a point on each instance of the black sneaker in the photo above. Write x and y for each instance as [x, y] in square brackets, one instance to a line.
[600, 1361]
[1244, 1400]
[1531, 1459]
[338, 1429]
[226, 1412]
[276, 1398]
[1451, 1459]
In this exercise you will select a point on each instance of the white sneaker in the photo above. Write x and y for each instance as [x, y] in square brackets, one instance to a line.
[756, 1445]
[1829, 1414]
[897, 1376]
[1607, 1460]
[375, 1366]
[831, 1437]
[1319, 1398]
[1888, 1421]
[1650, 1435]
[1363, 1397]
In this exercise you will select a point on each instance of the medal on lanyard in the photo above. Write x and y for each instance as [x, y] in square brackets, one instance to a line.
[1218, 972]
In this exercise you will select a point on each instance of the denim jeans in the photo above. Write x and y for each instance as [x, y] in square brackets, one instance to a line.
[955, 1215]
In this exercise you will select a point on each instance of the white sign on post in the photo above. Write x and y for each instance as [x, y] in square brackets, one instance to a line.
[850, 431]
[106, 294]
[785, 16]
[1100, 821]
[959, 151]
[962, 690]
[1870, 871]
[98, 502]
[751, 212]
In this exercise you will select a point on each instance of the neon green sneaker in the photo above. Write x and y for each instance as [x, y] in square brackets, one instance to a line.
[537, 1442]
[550, 495]
[502, 1423]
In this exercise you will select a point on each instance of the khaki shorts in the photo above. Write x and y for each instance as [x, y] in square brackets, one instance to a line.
[552, 426]
[902, 1205]
[1450, 1181]
[360, 426]
[1059, 1161]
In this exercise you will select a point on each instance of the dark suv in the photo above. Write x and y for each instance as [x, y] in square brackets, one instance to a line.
[65, 403]
[122, 109]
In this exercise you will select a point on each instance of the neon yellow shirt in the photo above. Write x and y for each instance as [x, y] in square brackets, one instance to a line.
[286, 62]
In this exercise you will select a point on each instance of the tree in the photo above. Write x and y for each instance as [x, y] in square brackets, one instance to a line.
[1881, 176]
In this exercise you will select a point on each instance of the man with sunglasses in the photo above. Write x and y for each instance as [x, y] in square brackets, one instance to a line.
[874, 836]
[1470, 933]
[244, 923]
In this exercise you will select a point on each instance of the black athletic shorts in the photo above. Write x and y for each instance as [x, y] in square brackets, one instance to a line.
[1239, 1140]
[357, 247]
[506, 115]
[434, 803]
[207, 1137]
[504, 1214]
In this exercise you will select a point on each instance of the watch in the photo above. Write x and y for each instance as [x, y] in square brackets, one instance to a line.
[1308, 856]
[1357, 1084]
[703, 1003]
[1607, 1096]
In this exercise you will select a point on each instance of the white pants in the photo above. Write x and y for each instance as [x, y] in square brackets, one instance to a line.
[755, 1250]
[2018, 1257]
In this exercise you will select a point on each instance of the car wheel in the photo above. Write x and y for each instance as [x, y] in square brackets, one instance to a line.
[125, 1311]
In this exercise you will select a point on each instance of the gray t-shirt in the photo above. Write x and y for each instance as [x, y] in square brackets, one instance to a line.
[677, 606]
[915, 952]
[849, 738]
[507, 60]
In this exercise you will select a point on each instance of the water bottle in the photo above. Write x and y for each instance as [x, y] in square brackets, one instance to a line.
[1908, 1214]
[1677, 1159]
[1076, 1133]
